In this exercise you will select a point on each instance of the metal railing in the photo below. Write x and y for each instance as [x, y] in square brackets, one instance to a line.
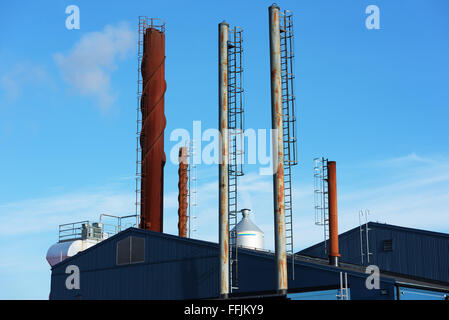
[118, 223]
[72, 231]
[108, 226]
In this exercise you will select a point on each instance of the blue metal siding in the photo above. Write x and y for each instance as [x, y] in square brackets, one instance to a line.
[172, 270]
[179, 268]
[416, 253]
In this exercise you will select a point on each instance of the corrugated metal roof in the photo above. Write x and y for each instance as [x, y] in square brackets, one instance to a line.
[417, 253]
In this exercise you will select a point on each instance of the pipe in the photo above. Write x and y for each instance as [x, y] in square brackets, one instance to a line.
[153, 126]
[333, 215]
[278, 150]
[182, 196]
[223, 163]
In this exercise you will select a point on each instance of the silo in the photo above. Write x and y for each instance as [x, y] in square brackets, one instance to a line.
[248, 234]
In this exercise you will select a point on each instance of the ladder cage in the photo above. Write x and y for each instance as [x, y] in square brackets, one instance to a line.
[235, 142]
[321, 198]
[192, 194]
[143, 25]
[288, 124]
[364, 231]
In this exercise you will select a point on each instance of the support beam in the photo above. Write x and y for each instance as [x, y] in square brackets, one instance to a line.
[223, 163]
[278, 151]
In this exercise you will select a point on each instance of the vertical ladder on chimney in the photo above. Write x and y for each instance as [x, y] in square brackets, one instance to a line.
[235, 134]
[321, 197]
[289, 124]
[192, 189]
[144, 24]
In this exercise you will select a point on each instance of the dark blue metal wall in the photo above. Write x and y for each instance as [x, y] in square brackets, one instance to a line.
[180, 268]
[416, 253]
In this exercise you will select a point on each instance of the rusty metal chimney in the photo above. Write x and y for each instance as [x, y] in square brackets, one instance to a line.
[223, 183]
[278, 151]
[152, 133]
[182, 196]
[333, 216]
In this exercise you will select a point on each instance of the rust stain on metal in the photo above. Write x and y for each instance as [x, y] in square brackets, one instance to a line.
[223, 166]
[333, 214]
[283, 271]
[152, 134]
[183, 191]
[278, 155]
[226, 252]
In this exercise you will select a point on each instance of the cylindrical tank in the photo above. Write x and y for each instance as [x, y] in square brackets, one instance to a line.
[63, 250]
[248, 234]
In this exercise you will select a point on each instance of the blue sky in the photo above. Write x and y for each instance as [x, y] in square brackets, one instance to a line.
[375, 101]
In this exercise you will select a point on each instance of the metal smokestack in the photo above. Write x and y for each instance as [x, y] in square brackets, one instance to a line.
[333, 215]
[182, 196]
[153, 126]
[223, 163]
[278, 151]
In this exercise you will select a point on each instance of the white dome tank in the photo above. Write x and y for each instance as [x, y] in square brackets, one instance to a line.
[248, 234]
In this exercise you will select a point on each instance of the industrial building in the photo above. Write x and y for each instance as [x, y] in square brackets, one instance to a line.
[143, 264]
[131, 257]
[419, 254]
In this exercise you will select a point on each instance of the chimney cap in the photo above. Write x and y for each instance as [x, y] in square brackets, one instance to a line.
[245, 212]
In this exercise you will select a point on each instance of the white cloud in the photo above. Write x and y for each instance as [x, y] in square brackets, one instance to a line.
[415, 196]
[46, 214]
[410, 158]
[419, 200]
[21, 75]
[88, 67]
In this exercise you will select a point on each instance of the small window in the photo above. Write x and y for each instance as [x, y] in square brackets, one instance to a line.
[130, 250]
[137, 249]
[388, 245]
[123, 251]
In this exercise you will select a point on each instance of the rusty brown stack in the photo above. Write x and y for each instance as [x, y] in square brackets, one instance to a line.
[152, 134]
[182, 196]
[333, 215]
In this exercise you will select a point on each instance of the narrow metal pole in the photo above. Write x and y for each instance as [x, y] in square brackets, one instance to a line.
[346, 286]
[278, 151]
[367, 240]
[361, 235]
[223, 166]
[341, 285]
